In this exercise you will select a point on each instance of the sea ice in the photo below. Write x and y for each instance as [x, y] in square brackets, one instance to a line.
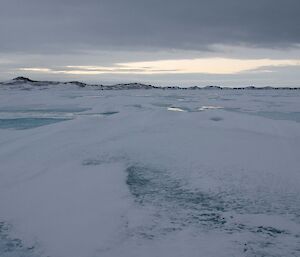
[123, 176]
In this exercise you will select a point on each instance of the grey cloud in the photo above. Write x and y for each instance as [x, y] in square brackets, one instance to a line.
[69, 26]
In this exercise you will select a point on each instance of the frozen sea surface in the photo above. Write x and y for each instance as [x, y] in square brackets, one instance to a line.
[87, 173]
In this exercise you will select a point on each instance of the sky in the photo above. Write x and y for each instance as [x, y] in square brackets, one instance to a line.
[169, 42]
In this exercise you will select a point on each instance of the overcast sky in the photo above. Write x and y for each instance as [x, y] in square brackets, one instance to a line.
[182, 42]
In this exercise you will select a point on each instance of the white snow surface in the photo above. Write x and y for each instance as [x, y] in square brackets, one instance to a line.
[138, 173]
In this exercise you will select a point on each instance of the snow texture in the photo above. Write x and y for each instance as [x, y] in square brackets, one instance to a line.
[138, 173]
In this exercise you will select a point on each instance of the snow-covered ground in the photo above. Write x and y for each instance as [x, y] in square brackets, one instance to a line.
[138, 173]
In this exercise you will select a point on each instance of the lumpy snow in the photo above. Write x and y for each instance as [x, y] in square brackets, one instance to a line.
[138, 172]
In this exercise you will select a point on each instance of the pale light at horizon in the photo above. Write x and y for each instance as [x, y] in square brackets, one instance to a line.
[220, 66]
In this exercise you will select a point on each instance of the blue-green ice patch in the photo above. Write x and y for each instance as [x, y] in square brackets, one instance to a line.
[27, 123]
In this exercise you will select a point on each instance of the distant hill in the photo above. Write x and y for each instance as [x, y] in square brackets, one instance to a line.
[26, 83]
